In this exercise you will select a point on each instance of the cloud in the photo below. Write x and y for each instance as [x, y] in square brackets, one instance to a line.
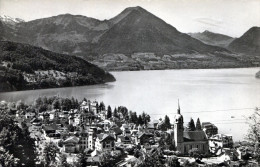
[209, 22]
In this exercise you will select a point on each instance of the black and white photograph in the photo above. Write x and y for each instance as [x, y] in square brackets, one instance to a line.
[129, 83]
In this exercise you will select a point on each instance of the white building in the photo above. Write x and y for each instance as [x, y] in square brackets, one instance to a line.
[220, 141]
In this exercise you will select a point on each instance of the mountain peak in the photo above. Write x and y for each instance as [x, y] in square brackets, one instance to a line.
[135, 8]
[126, 12]
[10, 20]
[254, 29]
[248, 43]
[207, 32]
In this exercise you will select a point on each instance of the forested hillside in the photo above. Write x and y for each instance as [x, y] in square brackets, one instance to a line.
[27, 67]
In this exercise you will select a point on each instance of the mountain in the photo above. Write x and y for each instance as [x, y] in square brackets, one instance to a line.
[212, 38]
[133, 30]
[257, 75]
[64, 33]
[135, 39]
[248, 43]
[23, 66]
[140, 31]
[9, 20]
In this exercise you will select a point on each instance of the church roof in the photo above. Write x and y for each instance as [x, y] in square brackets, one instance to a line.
[194, 136]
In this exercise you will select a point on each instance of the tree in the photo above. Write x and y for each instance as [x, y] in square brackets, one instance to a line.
[191, 125]
[38, 102]
[49, 154]
[16, 141]
[109, 112]
[102, 106]
[152, 158]
[82, 159]
[107, 160]
[71, 128]
[56, 104]
[133, 118]
[115, 113]
[146, 118]
[195, 153]
[20, 105]
[253, 134]
[7, 159]
[166, 123]
[198, 125]
[63, 161]
[140, 120]
[173, 161]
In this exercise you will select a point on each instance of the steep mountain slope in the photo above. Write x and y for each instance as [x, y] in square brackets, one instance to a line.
[211, 38]
[63, 33]
[248, 43]
[140, 31]
[25, 67]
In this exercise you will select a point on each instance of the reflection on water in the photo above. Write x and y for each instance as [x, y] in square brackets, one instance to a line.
[156, 92]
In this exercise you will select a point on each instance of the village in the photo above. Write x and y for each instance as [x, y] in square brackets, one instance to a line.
[122, 138]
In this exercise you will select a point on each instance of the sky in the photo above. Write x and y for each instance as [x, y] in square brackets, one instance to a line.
[230, 17]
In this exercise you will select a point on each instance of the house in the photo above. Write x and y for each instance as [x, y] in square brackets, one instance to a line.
[125, 129]
[115, 131]
[71, 144]
[105, 124]
[124, 139]
[36, 122]
[53, 114]
[209, 128]
[77, 119]
[29, 115]
[44, 116]
[83, 140]
[229, 155]
[93, 107]
[85, 106]
[104, 142]
[155, 123]
[92, 132]
[220, 141]
[50, 132]
[93, 161]
[128, 162]
[150, 128]
[19, 113]
[142, 138]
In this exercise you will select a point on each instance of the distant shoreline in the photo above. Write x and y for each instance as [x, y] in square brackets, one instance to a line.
[184, 69]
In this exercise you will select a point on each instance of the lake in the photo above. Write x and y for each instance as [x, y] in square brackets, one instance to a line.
[221, 96]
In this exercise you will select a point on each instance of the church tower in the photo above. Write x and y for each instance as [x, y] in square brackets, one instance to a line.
[178, 130]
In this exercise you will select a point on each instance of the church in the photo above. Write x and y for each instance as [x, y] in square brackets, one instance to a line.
[187, 140]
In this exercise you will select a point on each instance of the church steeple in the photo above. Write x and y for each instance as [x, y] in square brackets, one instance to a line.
[178, 129]
[179, 109]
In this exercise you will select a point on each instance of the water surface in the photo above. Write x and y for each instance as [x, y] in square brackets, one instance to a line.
[222, 96]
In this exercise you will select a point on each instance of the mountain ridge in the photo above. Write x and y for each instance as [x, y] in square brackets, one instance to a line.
[211, 38]
[124, 41]
[248, 43]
